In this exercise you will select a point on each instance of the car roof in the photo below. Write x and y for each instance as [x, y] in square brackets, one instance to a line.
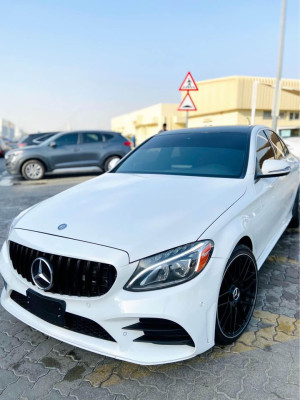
[92, 131]
[246, 129]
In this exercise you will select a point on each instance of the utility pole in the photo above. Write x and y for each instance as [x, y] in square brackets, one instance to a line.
[254, 99]
[276, 99]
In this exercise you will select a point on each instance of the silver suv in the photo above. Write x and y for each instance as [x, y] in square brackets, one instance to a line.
[102, 149]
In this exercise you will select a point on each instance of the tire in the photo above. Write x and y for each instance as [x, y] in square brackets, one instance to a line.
[295, 218]
[111, 162]
[237, 296]
[33, 170]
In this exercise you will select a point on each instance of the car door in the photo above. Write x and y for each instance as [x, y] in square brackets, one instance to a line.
[91, 148]
[284, 186]
[64, 151]
[265, 191]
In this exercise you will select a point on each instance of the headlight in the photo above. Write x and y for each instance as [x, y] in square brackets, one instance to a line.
[171, 267]
[11, 155]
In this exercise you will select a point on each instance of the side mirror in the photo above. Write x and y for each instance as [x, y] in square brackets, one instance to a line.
[274, 168]
[52, 144]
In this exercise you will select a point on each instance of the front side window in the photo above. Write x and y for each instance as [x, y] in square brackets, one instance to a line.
[213, 154]
[66, 140]
[264, 150]
[277, 144]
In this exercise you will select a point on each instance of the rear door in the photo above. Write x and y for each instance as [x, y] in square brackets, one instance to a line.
[91, 148]
[66, 152]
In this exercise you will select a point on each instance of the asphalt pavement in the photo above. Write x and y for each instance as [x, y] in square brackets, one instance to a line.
[262, 365]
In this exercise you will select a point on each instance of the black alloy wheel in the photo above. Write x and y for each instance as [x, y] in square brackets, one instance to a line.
[237, 295]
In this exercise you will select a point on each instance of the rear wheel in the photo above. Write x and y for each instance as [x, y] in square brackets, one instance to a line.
[111, 162]
[33, 170]
[295, 218]
[237, 295]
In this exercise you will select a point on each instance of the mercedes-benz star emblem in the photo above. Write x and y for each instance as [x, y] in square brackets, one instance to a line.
[236, 294]
[61, 227]
[42, 273]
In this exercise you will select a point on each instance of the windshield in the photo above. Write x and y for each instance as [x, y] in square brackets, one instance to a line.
[212, 154]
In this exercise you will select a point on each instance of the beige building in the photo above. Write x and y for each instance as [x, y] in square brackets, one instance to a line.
[223, 101]
[148, 121]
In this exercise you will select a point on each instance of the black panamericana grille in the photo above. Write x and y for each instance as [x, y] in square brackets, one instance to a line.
[161, 331]
[72, 322]
[71, 276]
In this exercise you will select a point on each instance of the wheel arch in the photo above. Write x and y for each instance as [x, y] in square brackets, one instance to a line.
[33, 158]
[246, 241]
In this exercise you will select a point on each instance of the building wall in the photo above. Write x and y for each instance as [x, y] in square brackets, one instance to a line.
[227, 101]
[148, 121]
[222, 101]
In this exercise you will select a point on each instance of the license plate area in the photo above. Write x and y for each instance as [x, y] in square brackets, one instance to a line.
[50, 310]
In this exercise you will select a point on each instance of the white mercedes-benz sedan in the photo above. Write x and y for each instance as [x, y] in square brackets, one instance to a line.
[156, 260]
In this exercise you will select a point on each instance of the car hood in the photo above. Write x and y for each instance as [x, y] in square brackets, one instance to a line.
[140, 214]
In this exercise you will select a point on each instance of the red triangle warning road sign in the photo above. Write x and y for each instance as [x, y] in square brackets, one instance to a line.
[188, 83]
[187, 104]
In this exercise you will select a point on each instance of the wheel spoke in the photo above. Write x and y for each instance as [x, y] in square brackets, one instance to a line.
[224, 294]
[223, 304]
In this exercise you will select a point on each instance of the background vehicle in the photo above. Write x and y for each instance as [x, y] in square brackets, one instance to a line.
[5, 145]
[35, 138]
[78, 149]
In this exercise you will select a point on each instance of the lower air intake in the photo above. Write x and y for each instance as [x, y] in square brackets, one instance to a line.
[161, 331]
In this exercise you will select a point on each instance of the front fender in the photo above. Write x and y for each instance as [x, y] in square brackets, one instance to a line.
[236, 223]
[34, 156]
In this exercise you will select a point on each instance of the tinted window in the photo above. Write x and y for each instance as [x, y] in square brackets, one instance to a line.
[264, 150]
[65, 140]
[41, 139]
[277, 144]
[107, 136]
[215, 154]
[91, 137]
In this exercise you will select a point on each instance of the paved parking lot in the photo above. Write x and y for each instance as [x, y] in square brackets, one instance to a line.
[263, 364]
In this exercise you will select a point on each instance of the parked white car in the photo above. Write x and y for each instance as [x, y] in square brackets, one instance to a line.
[158, 259]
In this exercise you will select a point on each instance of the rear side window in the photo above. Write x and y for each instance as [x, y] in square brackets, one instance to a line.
[107, 137]
[264, 150]
[91, 137]
[68, 139]
[277, 144]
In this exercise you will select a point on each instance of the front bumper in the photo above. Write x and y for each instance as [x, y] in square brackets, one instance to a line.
[12, 166]
[192, 305]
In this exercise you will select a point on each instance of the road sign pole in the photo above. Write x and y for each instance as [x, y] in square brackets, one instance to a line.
[187, 119]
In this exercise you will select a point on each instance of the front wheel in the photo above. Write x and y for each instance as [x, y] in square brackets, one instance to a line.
[237, 295]
[33, 170]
